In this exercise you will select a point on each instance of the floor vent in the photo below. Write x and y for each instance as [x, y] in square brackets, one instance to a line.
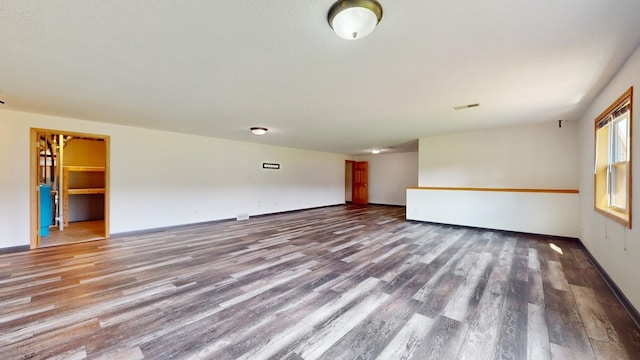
[242, 217]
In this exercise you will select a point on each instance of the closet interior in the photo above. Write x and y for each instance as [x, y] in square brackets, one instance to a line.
[72, 187]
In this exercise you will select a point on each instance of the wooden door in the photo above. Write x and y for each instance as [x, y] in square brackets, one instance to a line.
[360, 187]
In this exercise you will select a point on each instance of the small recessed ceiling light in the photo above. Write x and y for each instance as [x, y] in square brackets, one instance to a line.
[375, 151]
[259, 130]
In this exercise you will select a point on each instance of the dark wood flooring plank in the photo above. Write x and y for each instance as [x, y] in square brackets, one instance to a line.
[564, 323]
[594, 318]
[538, 346]
[369, 337]
[512, 333]
[443, 341]
[469, 293]
[408, 339]
[485, 320]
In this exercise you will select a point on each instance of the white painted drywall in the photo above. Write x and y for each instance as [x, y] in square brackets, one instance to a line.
[390, 175]
[536, 213]
[162, 178]
[540, 156]
[615, 247]
[533, 156]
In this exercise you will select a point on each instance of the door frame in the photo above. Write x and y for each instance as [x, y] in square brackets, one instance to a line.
[34, 183]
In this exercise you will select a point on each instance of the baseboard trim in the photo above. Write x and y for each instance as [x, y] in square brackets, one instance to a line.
[13, 249]
[181, 226]
[296, 210]
[546, 236]
[393, 205]
[626, 304]
[164, 228]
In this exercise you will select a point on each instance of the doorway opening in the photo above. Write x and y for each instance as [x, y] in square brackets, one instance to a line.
[70, 187]
[356, 190]
[348, 181]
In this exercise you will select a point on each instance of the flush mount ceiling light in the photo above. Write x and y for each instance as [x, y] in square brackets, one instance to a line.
[259, 130]
[354, 19]
[375, 151]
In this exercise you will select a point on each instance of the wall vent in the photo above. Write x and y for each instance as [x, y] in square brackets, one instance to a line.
[468, 106]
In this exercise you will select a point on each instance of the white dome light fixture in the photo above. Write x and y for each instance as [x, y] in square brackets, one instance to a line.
[259, 130]
[354, 19]
[375, 151]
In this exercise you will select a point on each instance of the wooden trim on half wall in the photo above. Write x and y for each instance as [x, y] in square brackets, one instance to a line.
[553, 191]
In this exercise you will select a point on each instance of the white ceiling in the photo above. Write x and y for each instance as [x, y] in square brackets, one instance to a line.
[216, 67]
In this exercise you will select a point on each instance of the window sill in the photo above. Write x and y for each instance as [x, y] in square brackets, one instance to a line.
[620, 217]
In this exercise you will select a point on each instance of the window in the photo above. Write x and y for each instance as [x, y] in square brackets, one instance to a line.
[613, 160]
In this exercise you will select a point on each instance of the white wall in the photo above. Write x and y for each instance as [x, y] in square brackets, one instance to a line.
[533, 156]
[162, 179]
[390, 175]
[615, 247]
[529, 212]
[540, 156]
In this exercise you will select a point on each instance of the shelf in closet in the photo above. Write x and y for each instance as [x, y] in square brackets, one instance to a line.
[88, 191]
[84, 168]
[83, 190]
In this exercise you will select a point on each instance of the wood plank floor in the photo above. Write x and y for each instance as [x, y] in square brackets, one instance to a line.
[74, 232]
[329, 283]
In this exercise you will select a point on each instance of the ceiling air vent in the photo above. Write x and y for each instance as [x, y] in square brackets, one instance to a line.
[468, 106]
